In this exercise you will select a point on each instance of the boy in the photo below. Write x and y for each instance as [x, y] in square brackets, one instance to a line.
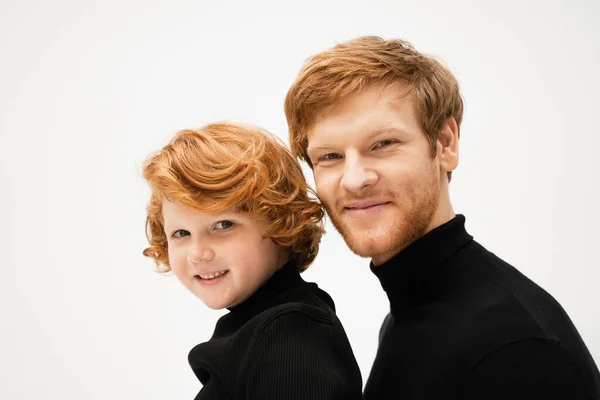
[230, 215]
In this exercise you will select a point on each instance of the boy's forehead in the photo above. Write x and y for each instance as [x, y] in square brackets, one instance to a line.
[173, 208]
[169, 207]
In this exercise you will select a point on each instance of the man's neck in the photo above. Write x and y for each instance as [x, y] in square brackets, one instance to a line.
[442, 215]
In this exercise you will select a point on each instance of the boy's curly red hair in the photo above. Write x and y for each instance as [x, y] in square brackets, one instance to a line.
[226, 165]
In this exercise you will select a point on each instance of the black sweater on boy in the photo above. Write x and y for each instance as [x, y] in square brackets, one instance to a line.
[466, 325]
[284, 342]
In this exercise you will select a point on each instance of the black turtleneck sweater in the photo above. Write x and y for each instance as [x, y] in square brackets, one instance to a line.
[284, 342]
[466, 325]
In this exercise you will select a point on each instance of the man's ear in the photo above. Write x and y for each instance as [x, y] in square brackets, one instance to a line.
[447, 145]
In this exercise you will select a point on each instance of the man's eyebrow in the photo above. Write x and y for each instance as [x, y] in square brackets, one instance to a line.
[320, 147]
[384, 130]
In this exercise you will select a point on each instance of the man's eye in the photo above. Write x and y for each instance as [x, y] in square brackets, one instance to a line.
[330, 156]
[180, 233]
[223, 224]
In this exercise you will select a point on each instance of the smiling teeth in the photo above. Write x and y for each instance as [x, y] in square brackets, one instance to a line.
[213, 276]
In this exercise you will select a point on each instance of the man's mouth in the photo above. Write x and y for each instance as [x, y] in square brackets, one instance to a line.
[364, 205]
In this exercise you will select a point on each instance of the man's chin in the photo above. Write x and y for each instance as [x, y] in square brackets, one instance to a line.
[369, 248]
[379, 245]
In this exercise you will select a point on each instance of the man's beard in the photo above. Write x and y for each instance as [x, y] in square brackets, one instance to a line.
[397, 232]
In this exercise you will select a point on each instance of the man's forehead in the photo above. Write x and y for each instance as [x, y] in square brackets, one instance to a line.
[362, 104]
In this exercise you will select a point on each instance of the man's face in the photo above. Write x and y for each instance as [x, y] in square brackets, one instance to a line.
[374, 171]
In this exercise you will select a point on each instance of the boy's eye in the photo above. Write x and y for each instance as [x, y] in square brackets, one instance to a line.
[223, 224]
[383, 143]
[180, 233]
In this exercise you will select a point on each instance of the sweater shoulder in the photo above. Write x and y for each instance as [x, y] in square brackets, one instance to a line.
[302, 349]
[497, 289]
[501, 305]
[286, 311]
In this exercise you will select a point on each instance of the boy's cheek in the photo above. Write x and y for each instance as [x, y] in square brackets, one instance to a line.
[177, 262]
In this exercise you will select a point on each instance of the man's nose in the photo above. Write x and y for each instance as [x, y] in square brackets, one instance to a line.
[356, 174]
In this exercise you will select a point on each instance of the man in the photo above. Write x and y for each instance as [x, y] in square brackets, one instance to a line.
[378, 123]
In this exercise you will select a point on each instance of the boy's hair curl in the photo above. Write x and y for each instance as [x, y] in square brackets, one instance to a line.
[224, 166]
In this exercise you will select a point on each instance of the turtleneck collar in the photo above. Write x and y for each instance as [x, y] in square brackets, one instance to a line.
[404, 274]
[283, 280]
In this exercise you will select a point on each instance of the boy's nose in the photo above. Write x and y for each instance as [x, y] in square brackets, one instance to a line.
[201, 255]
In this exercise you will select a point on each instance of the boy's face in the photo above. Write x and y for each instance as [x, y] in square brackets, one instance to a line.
[221, 258]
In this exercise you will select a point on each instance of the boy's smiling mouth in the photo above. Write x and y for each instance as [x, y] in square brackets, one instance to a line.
[212, 275]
